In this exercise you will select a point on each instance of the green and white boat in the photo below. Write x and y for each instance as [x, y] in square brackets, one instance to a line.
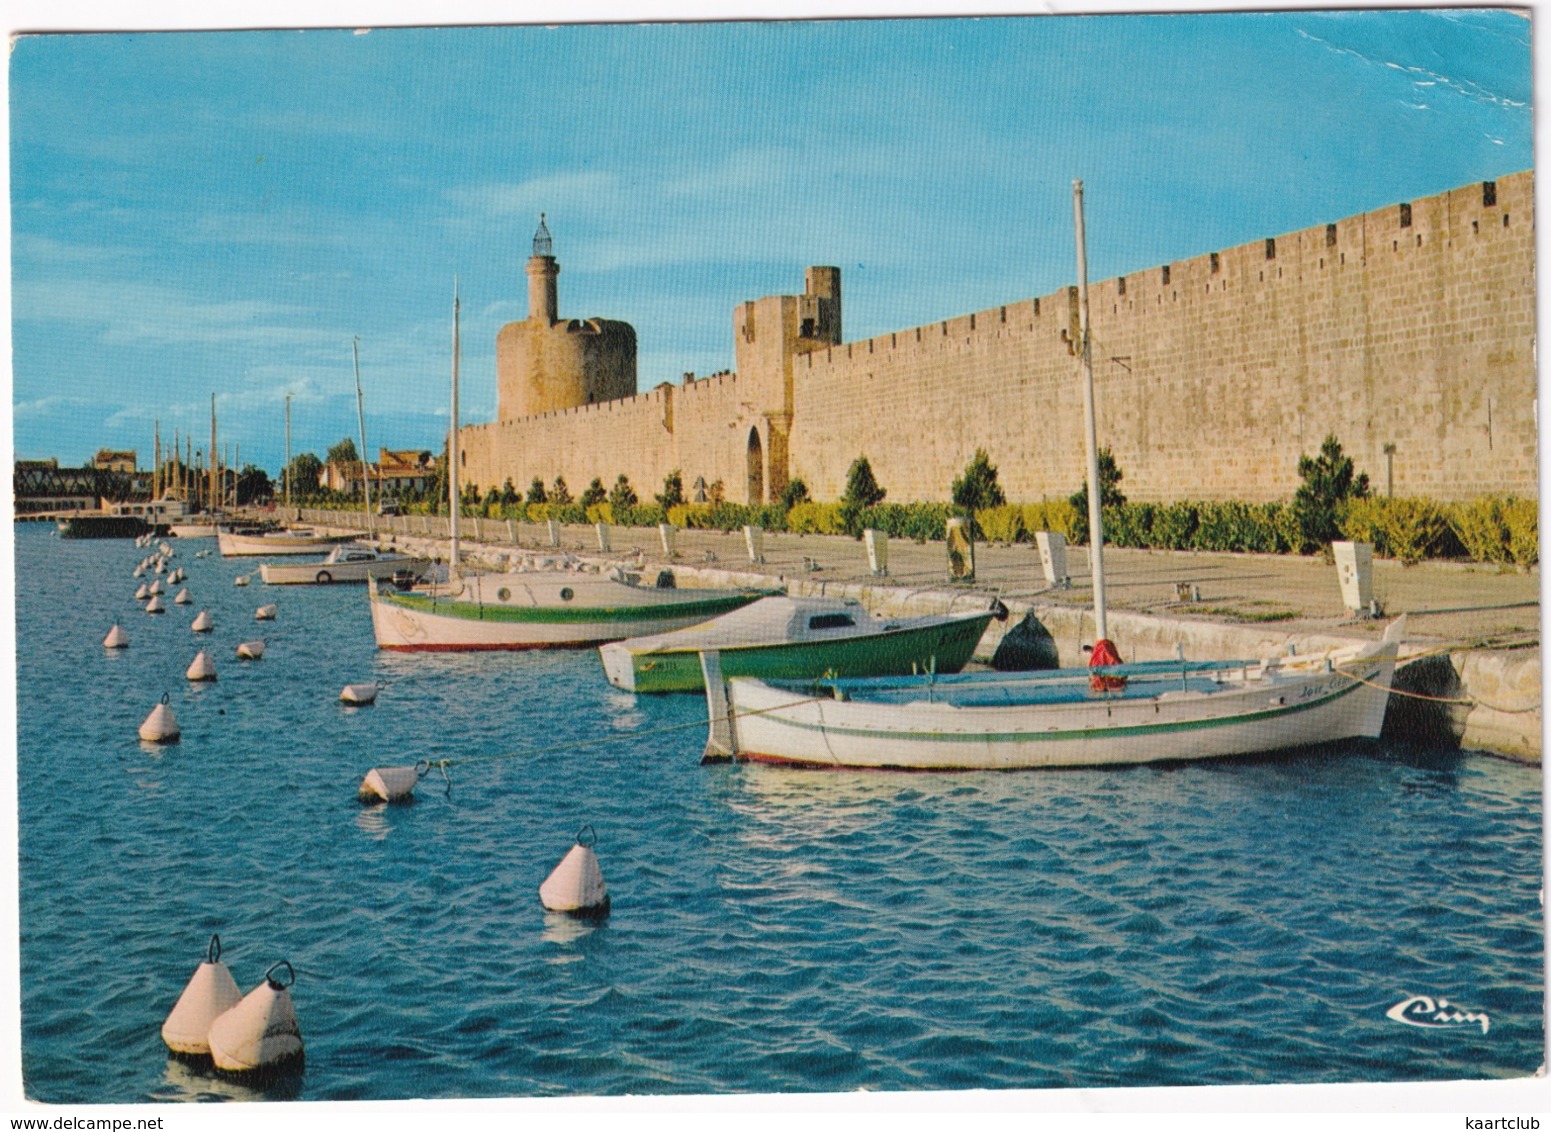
[537, 609]
[797, 638]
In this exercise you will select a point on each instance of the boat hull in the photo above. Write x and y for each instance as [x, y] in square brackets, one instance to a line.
[252, 546]
[107, 526]
[418, 623]
[326, 573]
[944, 646]
[1247, 716]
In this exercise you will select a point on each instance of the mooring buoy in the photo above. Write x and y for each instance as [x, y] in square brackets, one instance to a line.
[161, 726]
[210, 993]
[359, 695]
[260, 1032]
[266, 613]
[576, 884]
[250, 650]
[142, 593]
[155, 605]
[182, 598]
[203, 667]
[156, 587]
[203, 622]
[242, 580]
[116, 638]
[391, 783]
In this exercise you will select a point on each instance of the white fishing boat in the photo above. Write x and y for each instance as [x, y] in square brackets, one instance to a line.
[347, 562]
[795, 637]
[538, 609]
[298, 540]
[1105, 714]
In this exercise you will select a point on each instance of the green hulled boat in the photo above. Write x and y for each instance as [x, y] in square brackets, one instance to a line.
[795, 638]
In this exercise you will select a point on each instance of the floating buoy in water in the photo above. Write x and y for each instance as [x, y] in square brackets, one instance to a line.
[242, 579]
[250, 650]
[182, 598]
[203, 623]
[142, 593]
[260, 1032]
[161, 726]
[203, 667]
[391, 783]
[359, 694]
[576, 884]
[266, 613]
[116, 638]
[156, 587]
[209, 994]
[155, 606]
[140, 570]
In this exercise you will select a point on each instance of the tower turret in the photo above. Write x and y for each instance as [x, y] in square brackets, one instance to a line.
[543, 294]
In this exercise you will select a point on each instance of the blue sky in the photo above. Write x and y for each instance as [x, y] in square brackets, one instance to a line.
[222, 212]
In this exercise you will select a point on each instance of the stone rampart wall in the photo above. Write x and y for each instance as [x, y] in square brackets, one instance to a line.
[1408, 327]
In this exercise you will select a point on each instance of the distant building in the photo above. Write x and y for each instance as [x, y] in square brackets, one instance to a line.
[113, 460]
[404, 471]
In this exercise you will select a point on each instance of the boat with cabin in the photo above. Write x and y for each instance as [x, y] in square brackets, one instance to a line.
[796, 637]
[347, 562]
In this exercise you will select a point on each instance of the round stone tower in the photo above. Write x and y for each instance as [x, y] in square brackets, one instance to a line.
[544, 364]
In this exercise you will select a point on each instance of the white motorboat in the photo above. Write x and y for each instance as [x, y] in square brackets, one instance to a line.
[298, 540]
[347, 562]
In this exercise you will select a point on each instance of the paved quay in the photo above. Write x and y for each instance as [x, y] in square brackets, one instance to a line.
[1472, 632]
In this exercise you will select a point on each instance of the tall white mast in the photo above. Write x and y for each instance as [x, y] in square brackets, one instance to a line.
[287, 470]
[454, 497]
[215, 497]
[360, 416]
[1095, 503]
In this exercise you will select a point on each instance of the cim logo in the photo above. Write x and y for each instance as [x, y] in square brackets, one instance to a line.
[1421, 1010]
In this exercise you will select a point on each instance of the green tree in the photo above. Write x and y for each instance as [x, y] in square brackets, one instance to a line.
[536, 492]
[1110, 494]
[594, 493]
[492, 497]
[796, 492]
[862, 491]
[509, 492]
[672, 490]
[253, 485]
[559, 492]
[1329, 480]
[622, 495]
[306, 473]
[977, 488]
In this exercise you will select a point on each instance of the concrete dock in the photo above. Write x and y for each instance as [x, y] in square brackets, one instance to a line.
[1471, 661]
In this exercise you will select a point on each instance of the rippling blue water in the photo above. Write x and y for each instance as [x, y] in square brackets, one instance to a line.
[772, 930]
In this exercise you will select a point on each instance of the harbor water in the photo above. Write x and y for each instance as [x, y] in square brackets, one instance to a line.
[772, 930]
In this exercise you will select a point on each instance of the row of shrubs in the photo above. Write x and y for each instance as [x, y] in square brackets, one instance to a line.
[1492, 529]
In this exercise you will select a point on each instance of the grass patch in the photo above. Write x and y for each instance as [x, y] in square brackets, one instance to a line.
[1248, 615]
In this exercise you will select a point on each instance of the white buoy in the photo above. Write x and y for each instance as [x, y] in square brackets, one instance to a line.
[250, 650]
[209, 994]
[242, 579]
[203, 622]
[140, 570]
[166, 549]
[156, 587]
[260, 1032]
[142, 593]
[576, 884]
[203, 667]
[161, 566]
[155, 606]
[390, 784]
[182, 598]
[266, 613]
[359, 694]
[161, 726]
[116, 638]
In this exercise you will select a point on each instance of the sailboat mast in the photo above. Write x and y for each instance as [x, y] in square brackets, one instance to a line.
[215, 460]
[360, 417]
[287, 472]
[1095, 502]
[156, 465]
[454, 497]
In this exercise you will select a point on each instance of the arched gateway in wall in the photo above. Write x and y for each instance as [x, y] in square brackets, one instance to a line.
[756, 468]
